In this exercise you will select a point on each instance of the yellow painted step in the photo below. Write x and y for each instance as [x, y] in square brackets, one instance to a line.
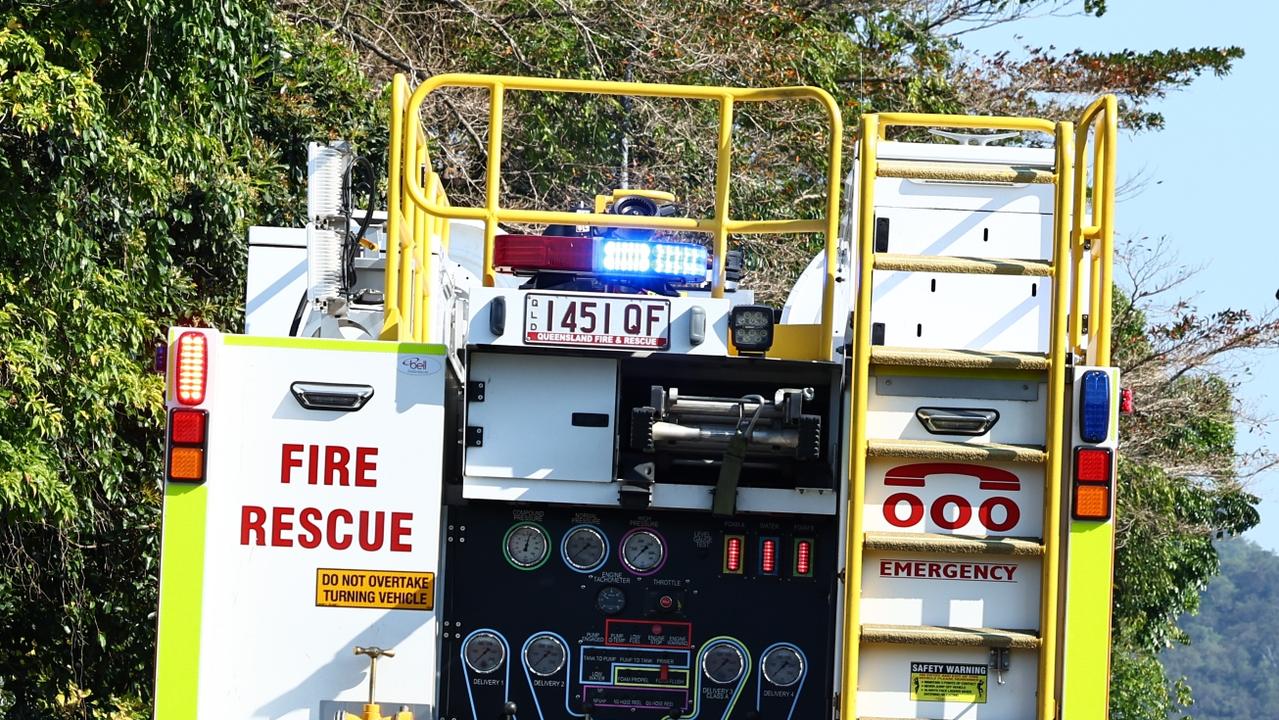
[965, 172]
[955, 451]
[941, 544]
[964, 265]
[957, 359]
[949, 636]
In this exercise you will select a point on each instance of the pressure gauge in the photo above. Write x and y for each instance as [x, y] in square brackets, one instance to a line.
[527, 546]
[643, 551]
[782, 666]
[723, 663]
[484, 652]
[545, 655]
[584, 548]
[611, 600]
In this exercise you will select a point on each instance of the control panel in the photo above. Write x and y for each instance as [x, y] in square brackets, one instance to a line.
[555, 613]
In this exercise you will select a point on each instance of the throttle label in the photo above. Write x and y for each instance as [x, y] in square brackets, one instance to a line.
[385, 589]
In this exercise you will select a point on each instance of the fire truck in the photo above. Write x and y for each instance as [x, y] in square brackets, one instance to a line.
[490, 462]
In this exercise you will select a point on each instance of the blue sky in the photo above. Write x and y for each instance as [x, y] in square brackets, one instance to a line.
[1213, 172]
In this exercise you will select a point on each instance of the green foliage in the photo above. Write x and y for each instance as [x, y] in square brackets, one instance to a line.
[137, 142]
[1232, 661]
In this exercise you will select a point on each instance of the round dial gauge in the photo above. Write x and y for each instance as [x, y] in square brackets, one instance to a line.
[643, 552]
[782, 666]
[584, 548]
[484, 652]
[611, 600]
[527, 546]
[723, 663]
[545, 655]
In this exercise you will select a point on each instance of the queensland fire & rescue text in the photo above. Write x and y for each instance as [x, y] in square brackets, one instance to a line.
[305, 466]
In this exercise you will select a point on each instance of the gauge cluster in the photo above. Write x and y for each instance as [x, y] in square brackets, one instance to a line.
[615, 614]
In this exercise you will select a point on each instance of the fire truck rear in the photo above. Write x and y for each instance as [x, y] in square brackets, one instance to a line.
[456, 472]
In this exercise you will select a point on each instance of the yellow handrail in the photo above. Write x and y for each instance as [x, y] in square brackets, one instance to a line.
[1100, 123]
[412, 191]
[413, 236]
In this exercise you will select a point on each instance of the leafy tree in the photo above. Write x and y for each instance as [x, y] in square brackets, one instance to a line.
[137, 143]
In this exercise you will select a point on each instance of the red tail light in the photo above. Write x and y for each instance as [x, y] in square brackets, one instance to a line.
[1093, 486]
[193, 367]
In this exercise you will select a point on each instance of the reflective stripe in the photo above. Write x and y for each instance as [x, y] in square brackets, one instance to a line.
[181, 595]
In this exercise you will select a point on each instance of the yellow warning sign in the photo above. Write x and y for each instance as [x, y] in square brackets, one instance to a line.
[387, 589]
[954, 682]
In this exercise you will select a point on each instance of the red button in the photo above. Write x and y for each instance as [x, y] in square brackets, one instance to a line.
[666, 601]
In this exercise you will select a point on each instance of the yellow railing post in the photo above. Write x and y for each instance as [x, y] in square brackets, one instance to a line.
[1100, 121]
[1055, 434]
[390, 297]
[868, 152]
[723, 176]
[493, 179]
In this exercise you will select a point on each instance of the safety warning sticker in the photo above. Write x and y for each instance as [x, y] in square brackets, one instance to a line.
[387, 589]
[954, 682]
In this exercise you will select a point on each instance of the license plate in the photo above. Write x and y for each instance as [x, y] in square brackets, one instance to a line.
[594, 321]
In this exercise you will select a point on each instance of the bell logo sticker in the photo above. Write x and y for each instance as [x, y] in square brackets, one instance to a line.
[419, 365]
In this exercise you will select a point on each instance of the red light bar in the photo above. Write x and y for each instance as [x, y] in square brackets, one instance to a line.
[521, 254]
[804, 558]
[733, 554]
[193, 367]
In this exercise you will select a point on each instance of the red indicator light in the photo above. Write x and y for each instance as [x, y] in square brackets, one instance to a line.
[803, 558]
[666, 601]
[1092, 465]
[186, 427]
[193, 366]
[733, 554]
[768, 556]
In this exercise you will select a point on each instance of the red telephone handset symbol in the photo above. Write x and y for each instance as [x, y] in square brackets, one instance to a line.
[916, 475]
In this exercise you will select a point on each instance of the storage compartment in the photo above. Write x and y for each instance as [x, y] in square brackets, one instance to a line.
[541, 417]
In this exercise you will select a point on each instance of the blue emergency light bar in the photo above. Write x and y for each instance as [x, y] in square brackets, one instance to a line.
[636, 258]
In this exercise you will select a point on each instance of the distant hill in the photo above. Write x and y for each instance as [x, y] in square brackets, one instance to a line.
[1232, 663]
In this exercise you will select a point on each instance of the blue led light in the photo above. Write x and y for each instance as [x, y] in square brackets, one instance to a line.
[1094, 406]
[685, 261]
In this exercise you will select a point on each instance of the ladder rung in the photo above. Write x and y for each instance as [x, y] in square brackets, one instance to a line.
[955, 451]
[967, 265]
[970, 359]
[949, 636]
[965, 172]
[951, 544]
